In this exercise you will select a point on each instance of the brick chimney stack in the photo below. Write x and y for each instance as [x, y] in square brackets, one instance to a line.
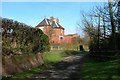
[57, 20]
[51, 19]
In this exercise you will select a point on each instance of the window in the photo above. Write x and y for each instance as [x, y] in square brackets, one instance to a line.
[61, 37]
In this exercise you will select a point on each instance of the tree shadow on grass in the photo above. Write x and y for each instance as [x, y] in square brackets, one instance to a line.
[107, 70]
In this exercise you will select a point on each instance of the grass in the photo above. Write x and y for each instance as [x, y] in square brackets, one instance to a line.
[49, 58]
[96, 70]
[66, 53]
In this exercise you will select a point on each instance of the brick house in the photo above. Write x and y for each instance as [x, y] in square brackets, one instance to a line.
[55, 31]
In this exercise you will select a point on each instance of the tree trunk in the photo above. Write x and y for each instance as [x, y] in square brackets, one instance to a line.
[104, 27]
[98, 29]
[118, 14]
[111, 16]
[112, 23]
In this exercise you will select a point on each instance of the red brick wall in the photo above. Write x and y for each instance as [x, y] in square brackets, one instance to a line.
[56, 33]
[47, 30]
[70, 38]
[67, 39]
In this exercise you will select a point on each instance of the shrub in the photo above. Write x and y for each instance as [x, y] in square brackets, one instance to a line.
[22, 37]
[106, 48]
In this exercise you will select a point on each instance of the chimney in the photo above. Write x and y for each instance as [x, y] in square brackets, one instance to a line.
[57, 20]
[51, 19]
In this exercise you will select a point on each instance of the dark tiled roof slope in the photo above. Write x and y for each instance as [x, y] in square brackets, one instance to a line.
[46, 22]
[43, 23]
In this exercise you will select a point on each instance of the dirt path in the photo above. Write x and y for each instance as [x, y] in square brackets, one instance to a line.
[68, 69]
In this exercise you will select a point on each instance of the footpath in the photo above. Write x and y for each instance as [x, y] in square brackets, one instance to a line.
[67, 69]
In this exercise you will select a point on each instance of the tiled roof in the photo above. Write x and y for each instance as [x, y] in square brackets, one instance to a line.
[46, 22]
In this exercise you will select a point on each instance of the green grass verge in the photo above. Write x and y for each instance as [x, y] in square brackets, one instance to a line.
[25, 74]
[96, 70]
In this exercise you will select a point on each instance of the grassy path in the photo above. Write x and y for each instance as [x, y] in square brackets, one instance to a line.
[65, 69]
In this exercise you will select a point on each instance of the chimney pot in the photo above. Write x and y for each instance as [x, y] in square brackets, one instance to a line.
[51, 19]
[57, 20]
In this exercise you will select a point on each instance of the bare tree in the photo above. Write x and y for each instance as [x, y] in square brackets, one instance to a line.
[112, 23]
